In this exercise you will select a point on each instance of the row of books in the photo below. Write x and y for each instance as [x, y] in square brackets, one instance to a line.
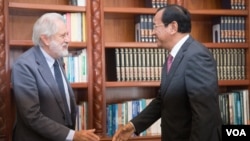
[138, 64]
[144, 28]
[229, 29]
[145, 64]
[234, 107]
[81, 116]
[121, 113]
[226, 29]
[156, 3]
[230, 63]
[234, 4]
[76, 25]
[75, 66]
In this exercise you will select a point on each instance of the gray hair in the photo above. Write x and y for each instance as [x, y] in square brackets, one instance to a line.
[45, 25]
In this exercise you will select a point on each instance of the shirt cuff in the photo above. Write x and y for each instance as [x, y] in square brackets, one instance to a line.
[70, 135]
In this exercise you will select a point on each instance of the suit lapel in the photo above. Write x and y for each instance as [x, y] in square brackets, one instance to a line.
[48, 77]
[177, 60]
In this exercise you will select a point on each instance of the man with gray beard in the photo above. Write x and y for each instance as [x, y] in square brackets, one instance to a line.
[44, 99]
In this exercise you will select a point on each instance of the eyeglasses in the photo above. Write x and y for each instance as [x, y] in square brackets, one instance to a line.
[158, 25]
[63, 36]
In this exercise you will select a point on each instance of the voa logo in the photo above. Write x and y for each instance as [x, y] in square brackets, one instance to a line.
[236, 132]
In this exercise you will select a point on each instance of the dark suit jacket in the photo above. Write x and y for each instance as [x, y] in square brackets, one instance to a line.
[40, 111]
[188, 100]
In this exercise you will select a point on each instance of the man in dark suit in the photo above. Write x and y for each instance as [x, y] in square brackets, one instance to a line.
[46, 108]
[187, 102]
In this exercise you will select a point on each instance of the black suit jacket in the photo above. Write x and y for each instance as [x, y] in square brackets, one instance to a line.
[40, 111]
[187, 102]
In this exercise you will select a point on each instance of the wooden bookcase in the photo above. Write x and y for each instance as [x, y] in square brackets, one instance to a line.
[19, 17]
[119, 27]
[110, 25]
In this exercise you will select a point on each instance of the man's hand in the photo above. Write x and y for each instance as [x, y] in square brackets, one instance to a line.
[124, 132]
[86, 135]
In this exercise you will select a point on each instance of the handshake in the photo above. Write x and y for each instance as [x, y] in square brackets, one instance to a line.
[122, 134]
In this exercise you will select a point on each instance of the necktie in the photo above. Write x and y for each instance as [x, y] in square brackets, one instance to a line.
[169, 61]
[59, 80]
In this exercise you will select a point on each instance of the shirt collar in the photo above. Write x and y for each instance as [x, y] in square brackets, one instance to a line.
[50, 61]
[177, 46]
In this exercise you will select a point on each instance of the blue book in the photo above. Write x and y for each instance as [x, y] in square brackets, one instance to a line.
[108, 120]
[135, 108]
[114, 118]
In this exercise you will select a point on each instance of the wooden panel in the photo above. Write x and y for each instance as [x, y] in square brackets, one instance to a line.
[119, 28]
[124, 3]
[202, 4]
[96, 38]
[22, 24]
[5, 103]
[202, 30]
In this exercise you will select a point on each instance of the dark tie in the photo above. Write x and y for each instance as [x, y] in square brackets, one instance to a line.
[169, 61]
[59, 80]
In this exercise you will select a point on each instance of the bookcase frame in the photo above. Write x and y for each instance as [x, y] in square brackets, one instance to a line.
[109, 25]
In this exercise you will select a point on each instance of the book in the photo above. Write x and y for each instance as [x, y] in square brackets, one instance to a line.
[127, 64]
[229, 4]
[84, 35]
[219, 29]
[150, 3]
[216, 33]
[81, 2]
[73, 2]
[131, 64]
[83, 66]
[122, 64]
[67, 18]
[135, 68]
[109, 120]
[117, 58]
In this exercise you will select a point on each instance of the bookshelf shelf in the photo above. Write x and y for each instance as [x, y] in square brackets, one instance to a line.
[154, 45]
[157, 83]
[129, 44]
[226, 45]
[203, 12]
[234, 83]
[28, 43]
[133, 84]
[77, 44]
[132, 10]
[15, 6]
[79, 85]
[20, 43]
[219, 12]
